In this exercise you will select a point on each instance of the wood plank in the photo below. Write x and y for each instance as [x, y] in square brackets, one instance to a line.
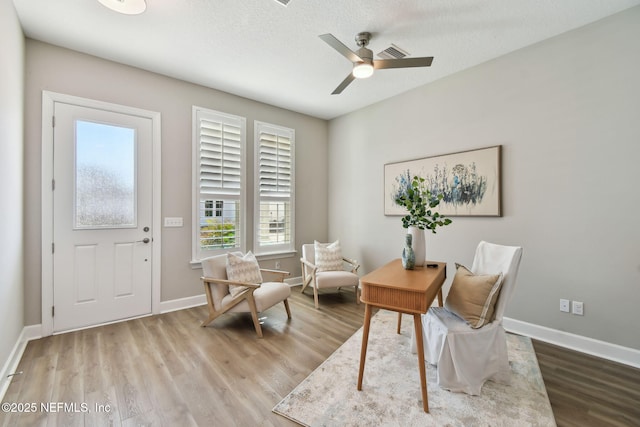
[167, 370]
[585, 390]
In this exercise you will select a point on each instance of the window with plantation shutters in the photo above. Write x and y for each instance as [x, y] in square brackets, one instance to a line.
[219, 141]
[274, 198]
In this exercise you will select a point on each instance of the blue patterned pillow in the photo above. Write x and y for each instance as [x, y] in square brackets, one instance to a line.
[242, 269]
[328, 256]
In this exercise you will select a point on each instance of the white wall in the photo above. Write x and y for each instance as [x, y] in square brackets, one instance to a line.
[11, 177]
[60, 70]
[567, 113]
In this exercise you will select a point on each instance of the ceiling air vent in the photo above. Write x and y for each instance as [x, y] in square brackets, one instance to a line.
[283, 2]
[393, 52]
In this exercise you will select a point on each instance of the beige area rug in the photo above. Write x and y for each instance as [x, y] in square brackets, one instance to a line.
[391, 396]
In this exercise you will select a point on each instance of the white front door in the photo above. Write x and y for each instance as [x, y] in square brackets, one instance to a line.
[102, 216]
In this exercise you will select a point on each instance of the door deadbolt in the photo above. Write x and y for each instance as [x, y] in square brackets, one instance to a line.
[146, 229]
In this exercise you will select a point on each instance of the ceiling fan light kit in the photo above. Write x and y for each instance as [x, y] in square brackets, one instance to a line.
[363, 62]
[127, 7]
[362, 70]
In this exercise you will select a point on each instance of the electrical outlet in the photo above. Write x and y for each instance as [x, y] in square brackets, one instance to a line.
[278, 265]
[564, 305]
[578, 308]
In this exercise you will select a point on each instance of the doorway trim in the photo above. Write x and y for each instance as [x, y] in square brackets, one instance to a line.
[48, 101]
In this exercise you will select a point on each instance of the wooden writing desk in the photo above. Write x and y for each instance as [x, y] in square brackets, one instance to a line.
[406, 291]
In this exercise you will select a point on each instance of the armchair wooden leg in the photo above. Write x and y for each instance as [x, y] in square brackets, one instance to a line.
[209, 320]
[315, 296]
[254, 315]
[305, 283]
[213, 315]
[286, 306]
[210, 305]
[256, 323]
[357, 295]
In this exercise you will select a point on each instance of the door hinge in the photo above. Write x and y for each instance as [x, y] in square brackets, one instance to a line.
[53, 310]
[53, 248]
[53, 185]
[53, 121]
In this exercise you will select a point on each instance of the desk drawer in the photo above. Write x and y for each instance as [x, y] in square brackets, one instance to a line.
[394, 299]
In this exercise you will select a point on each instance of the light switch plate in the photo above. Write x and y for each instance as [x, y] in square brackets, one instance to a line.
[578, 308]
[173, 221]
[564, 305]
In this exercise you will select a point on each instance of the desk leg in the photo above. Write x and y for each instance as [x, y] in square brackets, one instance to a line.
[365, 341]
[399, 323]
[417, 322]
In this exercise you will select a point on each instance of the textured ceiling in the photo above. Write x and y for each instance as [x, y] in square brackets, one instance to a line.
[262, 50]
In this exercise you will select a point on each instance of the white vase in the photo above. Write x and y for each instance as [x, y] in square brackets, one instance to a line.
[418, 244]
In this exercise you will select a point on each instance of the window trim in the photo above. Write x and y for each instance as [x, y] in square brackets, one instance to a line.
[281, 249]
[196, 253]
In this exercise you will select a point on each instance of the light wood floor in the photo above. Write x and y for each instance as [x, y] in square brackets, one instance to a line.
[588, 391]
[166, 370]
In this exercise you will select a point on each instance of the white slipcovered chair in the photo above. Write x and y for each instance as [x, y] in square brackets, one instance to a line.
[316, 274]
[465, 356]
[248, 297]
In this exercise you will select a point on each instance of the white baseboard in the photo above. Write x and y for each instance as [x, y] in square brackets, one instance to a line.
[182, 303]
[294, 281]
[605, 350]
[32, 332]
[28, 333]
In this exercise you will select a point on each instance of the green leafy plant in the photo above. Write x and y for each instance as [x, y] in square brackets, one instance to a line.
[217, 234]
[420, 204]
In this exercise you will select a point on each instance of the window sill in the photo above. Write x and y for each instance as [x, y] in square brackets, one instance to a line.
[276, 255]
[196, 264]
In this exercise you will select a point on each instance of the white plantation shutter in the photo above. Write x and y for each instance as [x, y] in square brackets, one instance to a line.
[220, 157]
[219, 141]
[275, 164]
[274, 201]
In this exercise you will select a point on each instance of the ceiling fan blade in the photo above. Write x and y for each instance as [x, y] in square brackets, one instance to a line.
[340, 47]
[402, 63]
[343, 85]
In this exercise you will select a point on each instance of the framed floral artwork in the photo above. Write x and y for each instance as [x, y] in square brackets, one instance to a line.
[469, 182]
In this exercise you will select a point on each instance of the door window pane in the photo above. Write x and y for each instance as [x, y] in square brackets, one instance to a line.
[105, 176]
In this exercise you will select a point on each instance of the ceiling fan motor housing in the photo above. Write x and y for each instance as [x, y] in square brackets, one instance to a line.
[365, 54]
[362, 39]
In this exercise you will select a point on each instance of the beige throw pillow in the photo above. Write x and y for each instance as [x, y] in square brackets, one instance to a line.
[242, 269]
[328, 256]
[473, 297]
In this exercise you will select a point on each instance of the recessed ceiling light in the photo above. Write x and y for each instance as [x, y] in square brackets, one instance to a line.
[128, 7]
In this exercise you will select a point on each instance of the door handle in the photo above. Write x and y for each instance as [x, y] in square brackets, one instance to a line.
[145, 240]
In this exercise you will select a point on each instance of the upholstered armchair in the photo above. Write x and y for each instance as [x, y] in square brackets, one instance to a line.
[233, 284]
[323, 266]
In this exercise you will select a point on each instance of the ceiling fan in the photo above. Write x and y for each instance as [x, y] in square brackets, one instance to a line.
[363, 62]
